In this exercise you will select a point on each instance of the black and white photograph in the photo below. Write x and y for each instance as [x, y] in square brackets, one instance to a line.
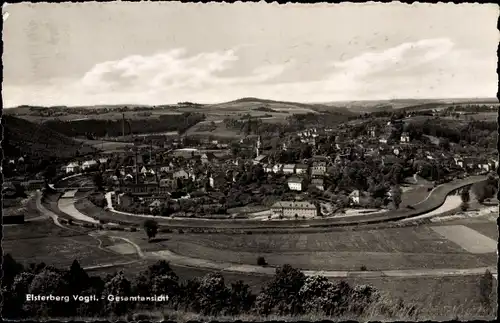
[249, 161]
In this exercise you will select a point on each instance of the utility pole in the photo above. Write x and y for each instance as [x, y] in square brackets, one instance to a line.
[135, 166]
[123, 125]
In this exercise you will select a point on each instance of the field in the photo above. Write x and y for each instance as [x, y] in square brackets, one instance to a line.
[489, 229]
[106, 145]
[395, 248]
[467, 238]
[42, 241]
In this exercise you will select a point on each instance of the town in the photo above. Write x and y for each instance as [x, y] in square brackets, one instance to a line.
[165, 161]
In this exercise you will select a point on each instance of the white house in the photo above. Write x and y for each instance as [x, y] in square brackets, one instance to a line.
[354, 197]
[301, 169]
[295, 183]
[289, 169]
[72, 167]
[405, 137]
[260, 159]
[88, 163]
[277, 168]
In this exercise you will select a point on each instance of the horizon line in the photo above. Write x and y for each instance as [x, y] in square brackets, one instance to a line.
[255, 98]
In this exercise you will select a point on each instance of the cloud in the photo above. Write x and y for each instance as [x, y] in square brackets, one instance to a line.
[425, 68]
[172, 70]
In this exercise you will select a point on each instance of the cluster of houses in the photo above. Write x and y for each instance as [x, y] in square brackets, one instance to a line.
[78, 166]
[152, 182]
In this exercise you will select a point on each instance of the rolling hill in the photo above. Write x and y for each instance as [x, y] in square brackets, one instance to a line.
[246, 104]
[21, 137]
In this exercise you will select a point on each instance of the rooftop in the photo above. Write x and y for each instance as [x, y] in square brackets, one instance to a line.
[294, 205]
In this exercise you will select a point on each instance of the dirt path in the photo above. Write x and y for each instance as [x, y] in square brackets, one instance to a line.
[185, 261]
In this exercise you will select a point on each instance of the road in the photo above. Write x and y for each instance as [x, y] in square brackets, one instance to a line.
[434, 200]
[185, 261]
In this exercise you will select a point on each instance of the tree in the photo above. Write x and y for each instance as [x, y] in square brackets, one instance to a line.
[241, 298]
[213, 295]
[77, 278]
[158, 279]
[11, 269]
[282, 293]
[261, 261]
[465, 195]
[485, 190]
[151, 228]
[49, 281]
[396, 196]
[98, 181]
[117, 285]
[485, 290]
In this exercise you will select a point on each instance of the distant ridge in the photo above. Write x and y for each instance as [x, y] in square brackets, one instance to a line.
[283, 105]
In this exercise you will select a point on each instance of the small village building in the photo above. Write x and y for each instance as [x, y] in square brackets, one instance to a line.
[182, 174]
[217, 181]
[88, 164]
[294, 209]
[277, 168]
[72, 167]
[156, 204]
[318, 169]
[318, 183]
[354, 197]
[405, 137]
[268, 168]
[260, 159]
[208, 158]
[301, 169]
[295, 183]
[289, 168]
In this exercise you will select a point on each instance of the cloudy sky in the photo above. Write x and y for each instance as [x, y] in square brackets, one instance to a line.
[158, 53]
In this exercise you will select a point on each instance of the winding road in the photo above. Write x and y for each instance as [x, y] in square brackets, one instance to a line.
[185, 261]
[434, 200]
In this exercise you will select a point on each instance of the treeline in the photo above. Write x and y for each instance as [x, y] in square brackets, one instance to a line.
[473, 108]
[255, 126]
[324, 119]
[289, 292]
[112, 128]
[249, 125]
[479, 133]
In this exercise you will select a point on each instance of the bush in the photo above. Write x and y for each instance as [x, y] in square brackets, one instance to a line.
[363, 268]
[261, 261]
[132, 229]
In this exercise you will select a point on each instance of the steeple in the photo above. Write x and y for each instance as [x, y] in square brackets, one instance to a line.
[257, 146]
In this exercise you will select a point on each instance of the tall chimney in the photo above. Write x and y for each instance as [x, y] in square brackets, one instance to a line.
[123, 124]
[135, 164]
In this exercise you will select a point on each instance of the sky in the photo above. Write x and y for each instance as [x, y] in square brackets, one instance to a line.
[162, 53]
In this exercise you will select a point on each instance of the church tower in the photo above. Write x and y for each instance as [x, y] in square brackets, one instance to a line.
[257, 147]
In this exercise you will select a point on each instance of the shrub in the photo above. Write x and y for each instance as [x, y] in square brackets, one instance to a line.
[363, 268]
[261, 261]
[133, 229]
[485, 290]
